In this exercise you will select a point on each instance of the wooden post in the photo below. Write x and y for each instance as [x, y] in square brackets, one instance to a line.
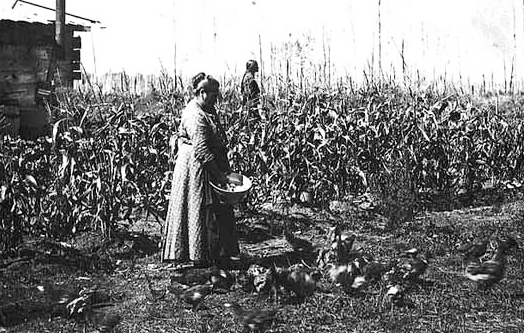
[261, 69]
[379, 41]
[60, 28]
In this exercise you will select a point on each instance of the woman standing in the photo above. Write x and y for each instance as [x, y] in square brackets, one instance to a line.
[198, 226]
[250, 90]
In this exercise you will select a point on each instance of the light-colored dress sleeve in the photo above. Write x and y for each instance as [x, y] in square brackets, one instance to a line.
[202, 137]
[204, 132]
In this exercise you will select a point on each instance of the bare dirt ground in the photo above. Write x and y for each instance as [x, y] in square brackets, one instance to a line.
[31, 287]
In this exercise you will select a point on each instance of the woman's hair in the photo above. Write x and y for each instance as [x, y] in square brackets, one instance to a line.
[203, 81]
[197, 79]
[251, 64]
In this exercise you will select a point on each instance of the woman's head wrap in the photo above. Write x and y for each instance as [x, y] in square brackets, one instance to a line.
[205, 82]
[251, 65]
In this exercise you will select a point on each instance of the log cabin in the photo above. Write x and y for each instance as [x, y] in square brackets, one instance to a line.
[32, 65]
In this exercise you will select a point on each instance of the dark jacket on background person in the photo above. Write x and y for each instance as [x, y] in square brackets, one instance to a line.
[250, 90]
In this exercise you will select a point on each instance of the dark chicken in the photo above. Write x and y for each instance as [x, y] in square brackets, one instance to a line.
[490, 272]
[299, 280]
[254, 320]
[298, 244]
[221, 279]
[193, 296]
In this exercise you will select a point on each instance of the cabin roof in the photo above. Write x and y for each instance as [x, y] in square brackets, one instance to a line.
[32, 33]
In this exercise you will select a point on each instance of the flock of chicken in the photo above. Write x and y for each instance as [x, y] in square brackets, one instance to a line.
[338, 263]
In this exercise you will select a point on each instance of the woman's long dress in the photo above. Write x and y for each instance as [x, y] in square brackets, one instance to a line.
[191, 213]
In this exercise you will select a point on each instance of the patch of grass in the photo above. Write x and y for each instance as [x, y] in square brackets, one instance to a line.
[444, 301]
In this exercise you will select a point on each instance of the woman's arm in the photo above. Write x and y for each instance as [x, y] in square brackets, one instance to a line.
[217, 175]
[203, 151]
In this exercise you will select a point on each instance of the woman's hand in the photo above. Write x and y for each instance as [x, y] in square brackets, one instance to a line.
[222, 179]
[219, 177]
[173, 140]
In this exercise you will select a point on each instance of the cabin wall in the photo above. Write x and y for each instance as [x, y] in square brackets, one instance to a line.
[27, 51]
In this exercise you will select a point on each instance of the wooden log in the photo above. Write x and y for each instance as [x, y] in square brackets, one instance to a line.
[19, 77]
[27, 100]
[27, 39]
[19, 65]
[42, 53]
[12, 71]
[24, 93]
[10, 58]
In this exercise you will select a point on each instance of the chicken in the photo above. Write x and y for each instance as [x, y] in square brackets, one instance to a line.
[477, 248]
[334, 233]
[221, 278]
[414, 267]
[359, 273]
[374, 271]
[487, 273]
[299, 280]
[472, 253]
[409, 253]
[156, 294]
[367, 272]
[253, 320]
[263, 278]
[81, 306]
[64, 301]
[408, 268]
[325, 257]
[109, 322]
[342, 275]
[58, 295]
[244, 281]
[298, 244]
[343, 246]
[255, 270]
[328, 253]
[367, 266]
[338, 250]
[395, 295]
[193, 296]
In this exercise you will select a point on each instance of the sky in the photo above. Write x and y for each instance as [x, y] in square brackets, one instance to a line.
[466, 39]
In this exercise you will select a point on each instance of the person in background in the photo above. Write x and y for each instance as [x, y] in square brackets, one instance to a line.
[198, 227]
[250, 90]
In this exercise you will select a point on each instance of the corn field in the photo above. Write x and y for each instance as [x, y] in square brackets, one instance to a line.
[107, 159]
